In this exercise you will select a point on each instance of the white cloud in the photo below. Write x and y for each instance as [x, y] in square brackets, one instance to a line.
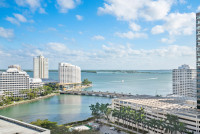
[170, 51]
[198, 9]
[177, 24]
[131, 35]
[57, 46]
[32, 4]
[12, 20]
[157, 30]
[20, 17]
[17, 19]
[168, 40]
[156, 10]
[111, 56]
[42, 11]
[182, 1]
[6, 33]
[98, 37]
[134, 26]
[65, 5]
[78, 17]
[134, 9]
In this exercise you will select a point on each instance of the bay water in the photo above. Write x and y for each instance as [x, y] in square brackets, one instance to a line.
[69, 108]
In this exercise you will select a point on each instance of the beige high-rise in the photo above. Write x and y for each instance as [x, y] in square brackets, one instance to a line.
[40, 67]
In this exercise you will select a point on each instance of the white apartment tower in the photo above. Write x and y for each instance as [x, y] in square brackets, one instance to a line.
[184, 81]
[69, 74]
[40, 67]
[13, 81]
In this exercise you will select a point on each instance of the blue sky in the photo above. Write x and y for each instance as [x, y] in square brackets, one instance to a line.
[99, 34]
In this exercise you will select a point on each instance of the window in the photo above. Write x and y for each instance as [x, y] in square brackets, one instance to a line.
[198, 48]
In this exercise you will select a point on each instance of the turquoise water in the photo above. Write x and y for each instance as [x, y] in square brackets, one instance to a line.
[68, 108]
[61, 108]
[149, 82]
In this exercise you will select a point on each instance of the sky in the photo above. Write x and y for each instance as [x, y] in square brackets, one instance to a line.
[99, 34]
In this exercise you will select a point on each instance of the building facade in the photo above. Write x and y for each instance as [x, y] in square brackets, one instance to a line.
[184, 81]
[40, 67]
[13, 82]
[198, 57]
[157, 108]
[69, 75]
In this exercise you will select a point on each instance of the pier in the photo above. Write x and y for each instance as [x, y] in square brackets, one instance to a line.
[95, 93]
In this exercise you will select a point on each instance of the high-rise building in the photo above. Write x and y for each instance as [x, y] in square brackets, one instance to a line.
[14, 81]
[69, 75]
[184, 81]
[40, 67]
[198, 57]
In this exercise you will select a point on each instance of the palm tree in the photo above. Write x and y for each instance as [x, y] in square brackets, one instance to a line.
[147, 123]
[182, 127]
[121, 114]
[160, 124]
[153, 124]
[171, 123]
[104, 110]
[115, 114]
[95, 110]
[108, 112]
[129, 116]
[137, 119]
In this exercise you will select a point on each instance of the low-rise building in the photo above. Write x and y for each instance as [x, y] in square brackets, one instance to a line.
[35, 83]
[184, 81]
[158, 107]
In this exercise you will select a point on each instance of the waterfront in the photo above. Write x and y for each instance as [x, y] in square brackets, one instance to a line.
[69, 108]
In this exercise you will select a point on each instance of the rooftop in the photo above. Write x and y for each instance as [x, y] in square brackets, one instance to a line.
[35, 80]
[178, 105]
[12, 126]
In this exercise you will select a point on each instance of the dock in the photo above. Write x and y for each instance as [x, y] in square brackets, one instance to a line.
[95, 93]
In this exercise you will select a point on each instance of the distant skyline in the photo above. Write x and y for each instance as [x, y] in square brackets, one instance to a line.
[103, 34]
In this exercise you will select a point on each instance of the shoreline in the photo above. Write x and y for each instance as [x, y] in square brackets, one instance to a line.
[79, 88]
[28, 101]
[40, 97]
